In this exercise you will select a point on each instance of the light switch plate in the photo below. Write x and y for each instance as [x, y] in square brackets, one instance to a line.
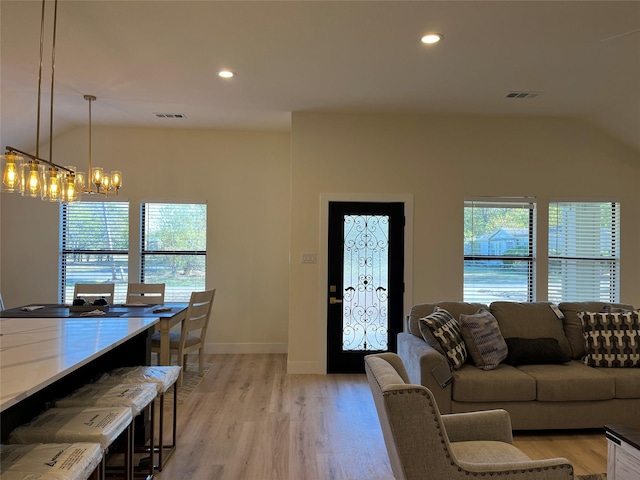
[309, 258]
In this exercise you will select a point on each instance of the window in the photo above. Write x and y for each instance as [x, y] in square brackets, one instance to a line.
[499, 250]
[174, 247]
[94, 246]
[584, 251]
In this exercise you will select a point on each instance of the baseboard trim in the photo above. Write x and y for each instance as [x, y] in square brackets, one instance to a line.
[229, 348]
[303, 368]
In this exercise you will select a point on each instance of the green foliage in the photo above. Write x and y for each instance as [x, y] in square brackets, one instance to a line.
[483, 221]
[176, 228]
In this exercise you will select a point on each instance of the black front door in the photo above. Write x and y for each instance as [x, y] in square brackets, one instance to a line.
[366, 281]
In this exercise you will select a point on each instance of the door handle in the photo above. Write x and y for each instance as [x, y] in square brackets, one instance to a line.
[334, 300]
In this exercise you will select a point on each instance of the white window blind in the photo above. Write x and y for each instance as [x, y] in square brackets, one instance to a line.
[499, 245]
[174, 247]
[94, 246]
[584, 251]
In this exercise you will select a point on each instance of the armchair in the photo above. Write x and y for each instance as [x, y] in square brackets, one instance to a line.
[423, 444]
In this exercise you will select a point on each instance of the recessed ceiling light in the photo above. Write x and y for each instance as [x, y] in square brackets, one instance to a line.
[431, 38]
[226, 74]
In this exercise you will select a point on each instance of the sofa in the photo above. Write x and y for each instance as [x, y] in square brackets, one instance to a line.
[542, 363]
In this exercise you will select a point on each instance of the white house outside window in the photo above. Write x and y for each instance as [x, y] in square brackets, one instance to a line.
[499, 245]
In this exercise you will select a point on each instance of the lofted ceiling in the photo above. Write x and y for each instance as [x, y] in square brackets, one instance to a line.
[143, 58]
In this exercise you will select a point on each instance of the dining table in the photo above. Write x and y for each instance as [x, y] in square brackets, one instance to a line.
[169, 314]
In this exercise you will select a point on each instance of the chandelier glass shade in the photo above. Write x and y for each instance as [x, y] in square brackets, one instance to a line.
[33, 176]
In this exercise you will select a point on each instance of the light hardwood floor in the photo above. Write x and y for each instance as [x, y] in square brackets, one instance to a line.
[249, 420]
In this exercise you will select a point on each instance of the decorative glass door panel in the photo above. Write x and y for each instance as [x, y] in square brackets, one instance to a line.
[365, 325]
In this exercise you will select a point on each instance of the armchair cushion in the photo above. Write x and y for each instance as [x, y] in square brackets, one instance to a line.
[488, 452]
[493, 425]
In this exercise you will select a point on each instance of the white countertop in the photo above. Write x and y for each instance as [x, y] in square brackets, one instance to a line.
[35, 352]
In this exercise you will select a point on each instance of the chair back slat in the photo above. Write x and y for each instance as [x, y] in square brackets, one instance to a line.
[149, 293]
[198, 314]
[93, 291]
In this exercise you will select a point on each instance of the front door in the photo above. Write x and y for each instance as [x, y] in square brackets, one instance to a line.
[366, 282]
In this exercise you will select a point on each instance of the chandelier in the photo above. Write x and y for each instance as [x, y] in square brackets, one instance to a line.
[36, 177]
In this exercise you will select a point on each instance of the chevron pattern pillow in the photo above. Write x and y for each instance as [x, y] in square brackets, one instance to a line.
[611, 339]
[442, 331]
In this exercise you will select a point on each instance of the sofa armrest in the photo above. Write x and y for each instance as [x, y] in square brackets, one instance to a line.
[420, 359]
[494, 425]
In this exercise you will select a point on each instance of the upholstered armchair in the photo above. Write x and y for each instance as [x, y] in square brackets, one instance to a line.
[422, 444]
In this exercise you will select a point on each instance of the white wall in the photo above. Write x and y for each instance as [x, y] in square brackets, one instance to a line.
[243, 177]
[439, 161]
[264, 193]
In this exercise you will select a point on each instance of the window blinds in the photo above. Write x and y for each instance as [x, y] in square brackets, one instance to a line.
[174, 247]
[584, 251]
[94, 246]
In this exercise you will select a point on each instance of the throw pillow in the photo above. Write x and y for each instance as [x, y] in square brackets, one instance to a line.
[611, 339]
[440, 327]
[482, 337]
[608, 308]
[532, 351]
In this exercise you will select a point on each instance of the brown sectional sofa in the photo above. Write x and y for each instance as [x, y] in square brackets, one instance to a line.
[567, 395]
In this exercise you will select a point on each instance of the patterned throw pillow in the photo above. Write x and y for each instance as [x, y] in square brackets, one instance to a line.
[442, 331]
[611, 339]
[482, 337]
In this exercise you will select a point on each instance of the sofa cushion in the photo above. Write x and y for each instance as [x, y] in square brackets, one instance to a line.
[528, 351]
[573, 326]
[530, 320]
[611, 339]
[442, 331]
[504, 383]
[454, 308]
[572, 381]
[627, 381]
[481, 335]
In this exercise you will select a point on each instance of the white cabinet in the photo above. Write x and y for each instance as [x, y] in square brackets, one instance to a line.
[623, 462]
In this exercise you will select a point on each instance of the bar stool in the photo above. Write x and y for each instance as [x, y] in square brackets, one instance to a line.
[136, 396]
[164, 377]
[62, 461]
[102, 425]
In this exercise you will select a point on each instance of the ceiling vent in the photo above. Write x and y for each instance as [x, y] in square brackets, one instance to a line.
[170, 115]
[523, 94]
